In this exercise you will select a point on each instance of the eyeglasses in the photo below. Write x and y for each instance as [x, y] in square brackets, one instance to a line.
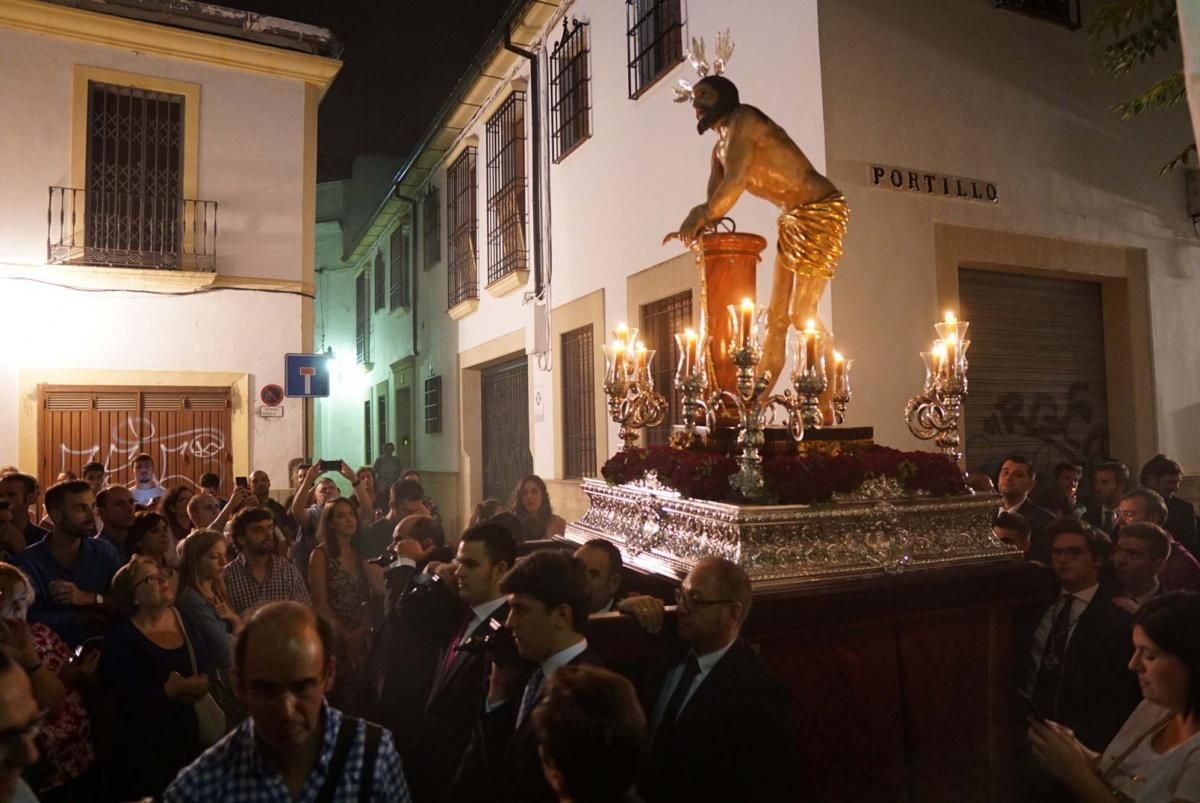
[10, 740]
[690, 600]
[162, 578]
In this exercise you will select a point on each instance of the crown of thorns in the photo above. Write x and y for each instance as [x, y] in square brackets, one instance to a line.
[724, 51]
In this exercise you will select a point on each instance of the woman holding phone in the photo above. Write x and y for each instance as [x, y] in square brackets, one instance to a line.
[1155, 758]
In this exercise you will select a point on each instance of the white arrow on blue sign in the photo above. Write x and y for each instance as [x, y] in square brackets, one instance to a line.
[306, 375]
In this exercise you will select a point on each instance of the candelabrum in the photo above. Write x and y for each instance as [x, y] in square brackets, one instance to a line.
[936, 413]
[841, 387]
[754, 406]
[632, 400]
[808, 373]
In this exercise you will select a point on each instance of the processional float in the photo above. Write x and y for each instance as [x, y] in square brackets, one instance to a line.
[774, 480]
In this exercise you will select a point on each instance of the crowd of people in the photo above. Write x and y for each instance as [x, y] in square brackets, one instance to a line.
[168, 643]
[172, 644]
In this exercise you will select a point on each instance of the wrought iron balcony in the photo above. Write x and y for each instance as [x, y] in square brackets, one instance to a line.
[116, 229]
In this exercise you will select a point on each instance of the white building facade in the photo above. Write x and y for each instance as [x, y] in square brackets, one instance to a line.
[157, 231]
[1075, 261]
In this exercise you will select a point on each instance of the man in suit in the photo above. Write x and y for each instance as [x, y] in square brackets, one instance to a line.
[721, 721]
[602, 561]
[436, 689]
[1181, 572]
[1109, 481]
[1075, 666]
[1163, 475]
[547, 613]
[1140, 554]
[1017, 478]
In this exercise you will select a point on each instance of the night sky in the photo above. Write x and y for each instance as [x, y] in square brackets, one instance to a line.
[401, 59]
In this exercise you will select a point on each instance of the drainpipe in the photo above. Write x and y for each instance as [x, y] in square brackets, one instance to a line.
[535, 84]
[413, 271]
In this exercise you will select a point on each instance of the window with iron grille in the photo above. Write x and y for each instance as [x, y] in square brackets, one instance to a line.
[579, 404]
[431, 227]
[381, 427]
[570, 90]
[660, 320]
[400, 291]
[362, 318]
[654, 41]
[367, 459]
[462, 222]
[433, 404]
[380, 275]
[506, 188]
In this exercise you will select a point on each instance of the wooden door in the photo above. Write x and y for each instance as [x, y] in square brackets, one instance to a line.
[186, 430]
[506, 456]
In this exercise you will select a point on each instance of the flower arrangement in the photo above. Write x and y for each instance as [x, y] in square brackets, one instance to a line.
[790, 480]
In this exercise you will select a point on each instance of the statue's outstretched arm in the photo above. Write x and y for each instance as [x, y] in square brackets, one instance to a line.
[732, 180]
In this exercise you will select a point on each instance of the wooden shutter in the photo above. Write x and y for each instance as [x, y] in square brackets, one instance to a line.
[1036, 370]
[186, 430]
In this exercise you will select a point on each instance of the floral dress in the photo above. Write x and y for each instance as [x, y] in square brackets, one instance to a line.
[348, 596]
[65, 740]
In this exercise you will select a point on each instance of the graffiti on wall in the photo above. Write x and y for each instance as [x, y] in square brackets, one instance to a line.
[139, 434]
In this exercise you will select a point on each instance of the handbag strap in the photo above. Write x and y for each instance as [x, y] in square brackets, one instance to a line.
[186, 640]
[1134, 746]
[337, 764]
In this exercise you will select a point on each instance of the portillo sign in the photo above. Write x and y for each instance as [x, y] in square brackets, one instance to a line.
[923, 182]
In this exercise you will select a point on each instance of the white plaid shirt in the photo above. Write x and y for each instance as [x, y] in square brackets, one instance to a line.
[283, 582]
[233, 771]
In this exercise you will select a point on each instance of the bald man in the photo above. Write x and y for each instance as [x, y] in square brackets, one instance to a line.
[294, 742]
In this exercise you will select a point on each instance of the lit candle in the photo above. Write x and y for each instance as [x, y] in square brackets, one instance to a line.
[939, 358]
[747, 322]
[810, 344]
[641, 358]
[618, 352]
[689, 352]
[950, 319]
[951, 353]
[839, 371]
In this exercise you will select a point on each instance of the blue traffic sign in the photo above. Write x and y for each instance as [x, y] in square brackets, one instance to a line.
[306, 375]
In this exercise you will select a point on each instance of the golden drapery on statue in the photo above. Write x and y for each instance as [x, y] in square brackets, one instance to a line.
[810, 236]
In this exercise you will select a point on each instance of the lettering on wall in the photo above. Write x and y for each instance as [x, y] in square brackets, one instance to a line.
[938, 185]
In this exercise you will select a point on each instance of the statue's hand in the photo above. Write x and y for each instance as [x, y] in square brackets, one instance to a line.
[696, 220]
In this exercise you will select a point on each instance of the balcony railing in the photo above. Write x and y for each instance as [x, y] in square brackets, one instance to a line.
[118, 229]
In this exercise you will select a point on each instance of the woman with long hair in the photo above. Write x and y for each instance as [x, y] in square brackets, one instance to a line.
[338, 584]
[1155, 757]
[531, 504]
[173, 507]
[147, 660]
[202, 598]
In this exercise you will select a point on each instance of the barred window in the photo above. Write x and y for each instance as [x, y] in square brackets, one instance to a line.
[380, 281]
[654, 41]
[367, 432]
[570, 90]
[506, 188]
[400, 294]
[433, 404]
[579, 404]
[431, 227]
[381, 428]
[362, 318]
[462, 221]
[660, 320]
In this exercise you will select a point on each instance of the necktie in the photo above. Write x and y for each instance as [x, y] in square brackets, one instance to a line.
[1109, 520]
[1045, 690]
[459, 637]
[533, 690]
[691, 668]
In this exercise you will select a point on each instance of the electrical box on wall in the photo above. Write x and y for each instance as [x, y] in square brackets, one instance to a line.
[541, 328]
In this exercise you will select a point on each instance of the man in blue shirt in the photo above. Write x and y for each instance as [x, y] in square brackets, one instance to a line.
[69, 569]
[294, 746]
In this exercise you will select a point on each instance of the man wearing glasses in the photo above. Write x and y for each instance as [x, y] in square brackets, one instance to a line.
[19, 724]
[721, 725]
[1181, 572]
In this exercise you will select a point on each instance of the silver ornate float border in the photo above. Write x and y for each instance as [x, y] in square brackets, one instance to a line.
[659, 531]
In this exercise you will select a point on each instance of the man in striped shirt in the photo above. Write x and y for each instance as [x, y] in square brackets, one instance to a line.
[258, 575]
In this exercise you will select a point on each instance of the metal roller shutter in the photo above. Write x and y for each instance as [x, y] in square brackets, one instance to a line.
[1037, 380]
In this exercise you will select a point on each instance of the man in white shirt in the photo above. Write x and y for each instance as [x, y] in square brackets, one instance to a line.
[1017, 479]
[1108, 485]
[1140, 554]
[145, 486]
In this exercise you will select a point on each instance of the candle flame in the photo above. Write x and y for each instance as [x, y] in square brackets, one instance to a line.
[622, 327]
[837, 356]
[690, 334]
[939, 350]
[952, 338]
[618, 345]
[747, 303]
[641, 346]
[810, 325]
[950, 318]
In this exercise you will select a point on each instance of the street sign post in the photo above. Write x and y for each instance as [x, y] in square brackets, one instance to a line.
[306, 375]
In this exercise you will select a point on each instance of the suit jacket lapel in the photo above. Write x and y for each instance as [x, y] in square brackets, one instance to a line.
[712, 688]
[442, 679]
